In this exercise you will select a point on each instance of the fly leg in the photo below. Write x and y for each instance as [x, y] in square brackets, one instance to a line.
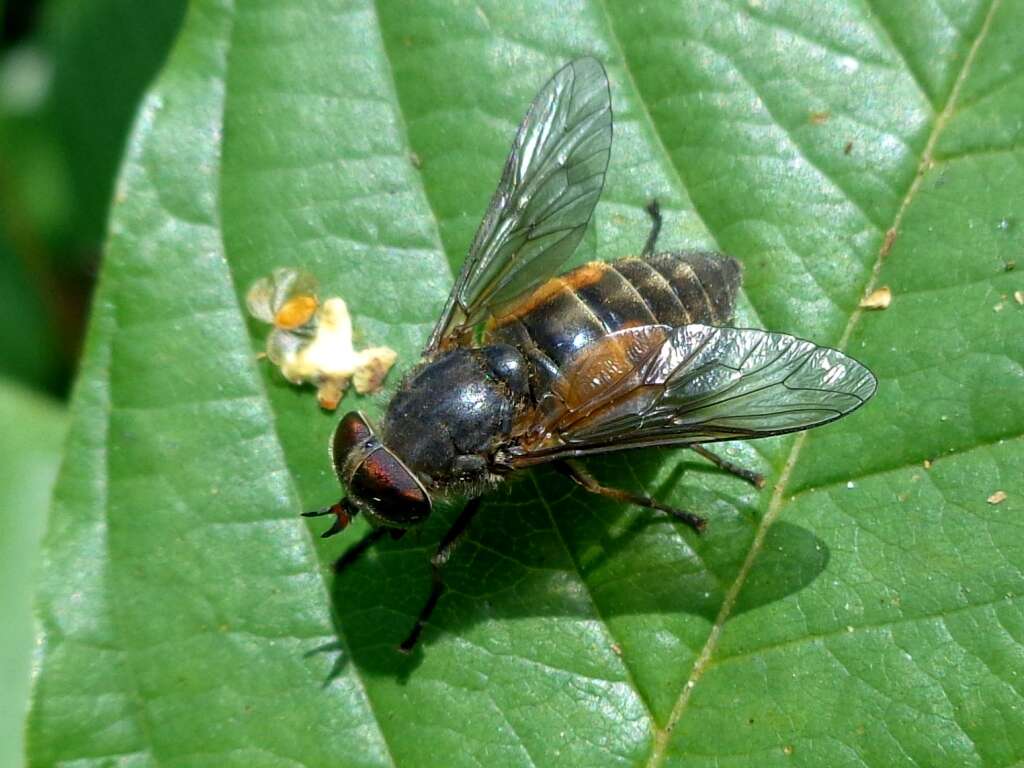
[756, 479]
[359, 549]
[449, 542]
[654, 211]
[578, 473]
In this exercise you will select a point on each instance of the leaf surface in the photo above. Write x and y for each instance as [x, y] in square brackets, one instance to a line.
[862, 610]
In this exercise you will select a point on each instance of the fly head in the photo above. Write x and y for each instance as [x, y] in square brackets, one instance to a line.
[379, 484]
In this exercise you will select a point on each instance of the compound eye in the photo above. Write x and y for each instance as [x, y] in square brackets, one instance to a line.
[395, 495]
[352, 432]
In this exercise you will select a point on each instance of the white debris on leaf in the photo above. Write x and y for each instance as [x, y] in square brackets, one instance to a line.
[312, 341]
[330, 360]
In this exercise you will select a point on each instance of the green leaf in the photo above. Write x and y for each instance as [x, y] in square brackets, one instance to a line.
[30, 443]
[863, 610]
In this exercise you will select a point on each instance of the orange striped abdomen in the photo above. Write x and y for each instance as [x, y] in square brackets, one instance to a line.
[568, 312]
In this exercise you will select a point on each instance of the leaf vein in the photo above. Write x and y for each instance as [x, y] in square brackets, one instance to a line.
[777, 500]
[847, 631]
[912, 70]
[590, 596]
[263, 396]
[654, 132]
[917, 462]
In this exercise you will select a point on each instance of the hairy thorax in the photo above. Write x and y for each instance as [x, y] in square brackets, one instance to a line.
[450, 415]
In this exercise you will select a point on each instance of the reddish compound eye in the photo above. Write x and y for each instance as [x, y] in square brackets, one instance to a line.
[386, 485]
[351, 433]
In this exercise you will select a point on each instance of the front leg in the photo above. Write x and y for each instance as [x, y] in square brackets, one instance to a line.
[355, 553]
[448, 544]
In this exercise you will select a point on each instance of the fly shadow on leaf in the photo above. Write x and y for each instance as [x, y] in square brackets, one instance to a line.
[545, 548]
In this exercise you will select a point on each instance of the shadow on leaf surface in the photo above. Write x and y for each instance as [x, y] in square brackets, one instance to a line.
[515, 564]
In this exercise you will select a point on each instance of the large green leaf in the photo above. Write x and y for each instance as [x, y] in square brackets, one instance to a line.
[863, 610]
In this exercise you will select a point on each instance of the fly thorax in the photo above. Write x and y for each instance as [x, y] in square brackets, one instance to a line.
[450, 414]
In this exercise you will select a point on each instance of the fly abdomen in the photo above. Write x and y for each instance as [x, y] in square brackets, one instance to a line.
[568, 312]
[682, 288]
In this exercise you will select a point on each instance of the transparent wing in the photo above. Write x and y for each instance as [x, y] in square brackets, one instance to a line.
[657, 385]
[547, 193]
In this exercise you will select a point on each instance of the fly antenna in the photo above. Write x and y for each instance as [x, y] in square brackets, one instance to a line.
[320, 512]
[344, 513]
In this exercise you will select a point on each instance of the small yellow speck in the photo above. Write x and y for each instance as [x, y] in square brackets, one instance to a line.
[877, 299]
[997, 498]
[296, 312]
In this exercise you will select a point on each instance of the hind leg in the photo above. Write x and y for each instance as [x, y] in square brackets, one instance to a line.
[654, 211]
[591, 484]
[756, 479]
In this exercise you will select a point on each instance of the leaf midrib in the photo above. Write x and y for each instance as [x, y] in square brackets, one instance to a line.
[669, 166]
[675, 174]
[264, 397]
[778, 500]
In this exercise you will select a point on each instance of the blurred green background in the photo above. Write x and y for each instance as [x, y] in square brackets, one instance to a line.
[71, 76]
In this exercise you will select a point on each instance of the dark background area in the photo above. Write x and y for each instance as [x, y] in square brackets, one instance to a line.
[71, 77]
